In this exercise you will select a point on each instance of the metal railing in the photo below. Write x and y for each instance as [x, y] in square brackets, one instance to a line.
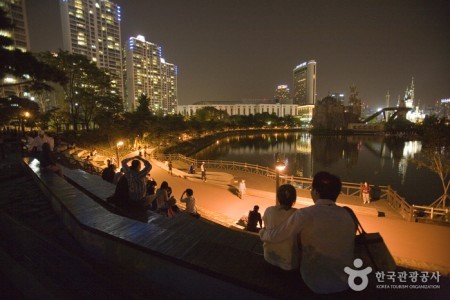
[432, 213]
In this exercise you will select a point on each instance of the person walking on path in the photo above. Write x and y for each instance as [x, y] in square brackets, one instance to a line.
[137, 182]
[170, 167]
[365, 192]
[203, 170]
[242, 188]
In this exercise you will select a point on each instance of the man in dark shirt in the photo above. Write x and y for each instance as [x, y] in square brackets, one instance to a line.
[254, 217]
[109, 172]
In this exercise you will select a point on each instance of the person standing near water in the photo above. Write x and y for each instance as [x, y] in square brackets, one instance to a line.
[365, 192]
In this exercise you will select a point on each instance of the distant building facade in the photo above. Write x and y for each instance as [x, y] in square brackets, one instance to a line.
[92, 28]
[414, 115]
[16, 12]
[305, 83]
[242, 109]
[149, 74]
[443, 110]
[338, 96]
[282, 94]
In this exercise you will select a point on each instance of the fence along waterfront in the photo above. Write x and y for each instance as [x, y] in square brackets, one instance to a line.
[407, 211]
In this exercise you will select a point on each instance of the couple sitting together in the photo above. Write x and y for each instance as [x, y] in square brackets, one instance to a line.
[318, 240]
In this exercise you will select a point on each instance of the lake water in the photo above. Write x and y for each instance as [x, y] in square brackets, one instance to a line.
[377, 159]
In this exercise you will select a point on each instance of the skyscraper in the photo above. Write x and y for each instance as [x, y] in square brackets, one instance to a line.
[305, 83]
[16, 12]
[149, 74]
[92, 28]
[282, 93]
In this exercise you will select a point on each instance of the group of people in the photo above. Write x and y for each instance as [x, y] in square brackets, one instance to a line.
[41, 146]
[136, 188]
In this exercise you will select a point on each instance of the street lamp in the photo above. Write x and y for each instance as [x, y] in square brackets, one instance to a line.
[279, 167]
[120, 143]
[26, 115]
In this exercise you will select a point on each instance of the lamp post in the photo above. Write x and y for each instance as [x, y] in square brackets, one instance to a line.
[120, 143]
[23, 121]
[279, 167]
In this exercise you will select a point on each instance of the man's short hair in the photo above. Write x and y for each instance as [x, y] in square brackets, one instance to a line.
[135, 164]
[256, 207]
[189, 192]
[327, 185]
[287, 195]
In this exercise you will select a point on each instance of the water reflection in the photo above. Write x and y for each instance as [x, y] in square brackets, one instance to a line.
[376, 159]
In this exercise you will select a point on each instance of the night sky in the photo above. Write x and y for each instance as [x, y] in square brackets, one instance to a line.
[243, 49]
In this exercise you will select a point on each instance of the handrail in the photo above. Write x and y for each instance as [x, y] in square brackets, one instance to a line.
[348, 188]
[423, 211]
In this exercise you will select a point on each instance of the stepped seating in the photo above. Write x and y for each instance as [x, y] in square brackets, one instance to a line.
[193, 257]
[198, 258]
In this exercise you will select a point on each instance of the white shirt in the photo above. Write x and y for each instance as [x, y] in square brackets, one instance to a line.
[282, 254]
[190, 204]
[327, 234]
[39, 141]
[242, 187]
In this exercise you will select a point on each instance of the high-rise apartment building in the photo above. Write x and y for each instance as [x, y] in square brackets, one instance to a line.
[15, 10]
[16, 13]
[305, 83]
[149, 74]
[282, 94]
[92, 28]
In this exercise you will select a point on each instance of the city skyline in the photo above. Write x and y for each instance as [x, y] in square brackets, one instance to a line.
[230, 50]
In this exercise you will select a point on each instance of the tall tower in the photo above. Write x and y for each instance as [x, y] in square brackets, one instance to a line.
[148, 73]
[17, 15]
[169, 86]
[305, 83]
[92, 28]
[409, 95]
[282, 94]
[388, 97]
[15, 10]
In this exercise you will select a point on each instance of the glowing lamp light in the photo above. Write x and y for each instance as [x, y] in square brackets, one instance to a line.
[280, 166]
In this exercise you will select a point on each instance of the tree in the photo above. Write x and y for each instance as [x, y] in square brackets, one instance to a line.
[17, 110]
[435, 156]
[85, 84]
[329, 114]
[22, 66]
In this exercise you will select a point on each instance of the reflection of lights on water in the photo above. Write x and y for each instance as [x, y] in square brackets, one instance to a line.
[411, 148]
[402, 166]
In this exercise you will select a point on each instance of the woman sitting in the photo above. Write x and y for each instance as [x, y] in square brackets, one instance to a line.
[46, 160]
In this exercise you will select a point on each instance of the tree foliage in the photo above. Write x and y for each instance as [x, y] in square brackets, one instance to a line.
[329, 114]
[435, 156]
[85, 89]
